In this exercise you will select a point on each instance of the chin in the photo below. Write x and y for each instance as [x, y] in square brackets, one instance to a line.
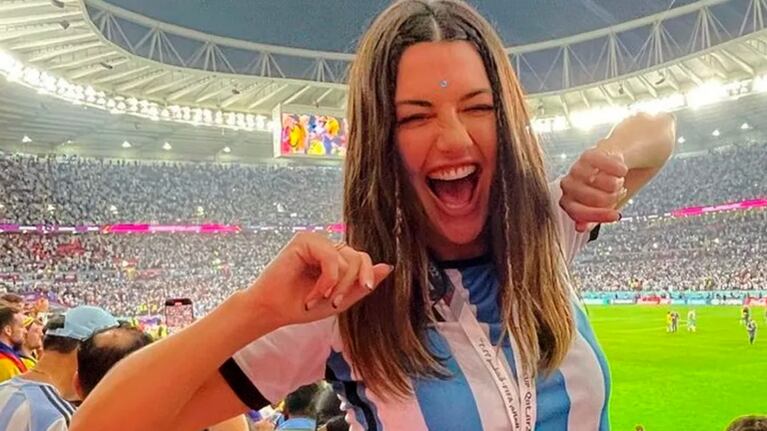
[459, 239]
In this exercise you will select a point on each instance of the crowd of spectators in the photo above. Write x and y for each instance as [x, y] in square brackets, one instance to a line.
[71, 190]
[132, 274]
[712, 252]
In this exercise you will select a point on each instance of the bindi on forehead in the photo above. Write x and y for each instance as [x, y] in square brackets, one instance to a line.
[446, 66]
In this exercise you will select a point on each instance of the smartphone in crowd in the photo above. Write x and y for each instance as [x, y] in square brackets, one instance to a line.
[179, 313]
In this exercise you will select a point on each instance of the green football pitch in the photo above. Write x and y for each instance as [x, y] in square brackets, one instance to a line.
[681, 381]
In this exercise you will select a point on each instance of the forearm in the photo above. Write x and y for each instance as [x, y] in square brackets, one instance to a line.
[645, 144]
[640, 152]
[167, 373]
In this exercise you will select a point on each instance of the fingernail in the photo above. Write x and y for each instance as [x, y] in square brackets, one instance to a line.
[391, 267]
[337, 301]
[309, 305]
[367, 284]
[327, 293]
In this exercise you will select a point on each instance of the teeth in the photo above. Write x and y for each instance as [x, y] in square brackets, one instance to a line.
[453, 173]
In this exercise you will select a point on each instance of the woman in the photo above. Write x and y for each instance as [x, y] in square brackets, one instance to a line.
[474, 326]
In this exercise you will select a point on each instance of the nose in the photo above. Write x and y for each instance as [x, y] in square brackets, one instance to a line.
[453, 136]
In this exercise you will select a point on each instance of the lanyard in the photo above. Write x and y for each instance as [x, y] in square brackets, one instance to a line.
[519, 397]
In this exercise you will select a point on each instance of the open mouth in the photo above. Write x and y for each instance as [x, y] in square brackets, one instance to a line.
[455, 186]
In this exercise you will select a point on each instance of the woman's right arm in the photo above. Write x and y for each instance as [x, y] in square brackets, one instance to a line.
[165, 385]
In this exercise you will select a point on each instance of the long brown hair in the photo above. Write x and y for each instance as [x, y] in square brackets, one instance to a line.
[385, 334]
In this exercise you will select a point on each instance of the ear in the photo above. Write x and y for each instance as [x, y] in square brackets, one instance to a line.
[78, 386]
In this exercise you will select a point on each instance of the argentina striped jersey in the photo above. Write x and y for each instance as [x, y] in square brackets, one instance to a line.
[572, 398]
[26, 405]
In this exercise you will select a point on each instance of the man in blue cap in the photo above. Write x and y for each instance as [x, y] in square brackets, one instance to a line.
[39, 400]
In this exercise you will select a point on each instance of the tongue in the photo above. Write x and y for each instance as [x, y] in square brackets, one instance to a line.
[454, 193]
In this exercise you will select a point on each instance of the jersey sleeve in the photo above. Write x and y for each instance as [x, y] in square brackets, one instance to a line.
[571, 240]
[268, 369]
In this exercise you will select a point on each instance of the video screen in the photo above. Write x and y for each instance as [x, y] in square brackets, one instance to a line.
[313, 135]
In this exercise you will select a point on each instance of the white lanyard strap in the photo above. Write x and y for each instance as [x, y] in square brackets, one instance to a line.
[519, 397]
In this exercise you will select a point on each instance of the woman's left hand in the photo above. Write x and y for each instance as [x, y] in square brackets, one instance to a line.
[593, 188]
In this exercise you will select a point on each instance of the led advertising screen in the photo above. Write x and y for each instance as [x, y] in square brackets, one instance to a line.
[312, 135]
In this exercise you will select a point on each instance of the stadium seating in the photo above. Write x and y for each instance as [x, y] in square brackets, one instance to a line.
[134, 273]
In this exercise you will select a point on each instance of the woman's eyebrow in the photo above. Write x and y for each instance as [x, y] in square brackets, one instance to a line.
[427, 104]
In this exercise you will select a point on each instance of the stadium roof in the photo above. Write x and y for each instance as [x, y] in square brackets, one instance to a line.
[230, 63]
[336, 26]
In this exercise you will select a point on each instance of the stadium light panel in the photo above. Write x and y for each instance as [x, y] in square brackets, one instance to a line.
[77, 94]
[706, 94]
[745, 126]
[760, 84]
[126, 144]
[166, 146]
[681, 140]
[26, 139]
[586, 120]
[227, 150]
[8, 63]
[716, 133]
[655, 106]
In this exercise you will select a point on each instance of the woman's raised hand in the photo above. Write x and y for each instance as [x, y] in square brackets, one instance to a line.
[313, 278]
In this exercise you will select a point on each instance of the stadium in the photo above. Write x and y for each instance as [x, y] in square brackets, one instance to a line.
[155, 157]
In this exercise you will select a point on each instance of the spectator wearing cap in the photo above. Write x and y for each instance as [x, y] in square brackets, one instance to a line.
[38, 400]
[12, 334]
[30, 349]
